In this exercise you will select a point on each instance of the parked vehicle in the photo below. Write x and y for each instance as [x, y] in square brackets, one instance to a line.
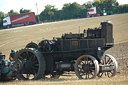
[19, 19]
[85, 55]
[92, 12]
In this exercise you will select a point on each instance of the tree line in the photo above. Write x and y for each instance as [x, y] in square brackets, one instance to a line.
[72, 10]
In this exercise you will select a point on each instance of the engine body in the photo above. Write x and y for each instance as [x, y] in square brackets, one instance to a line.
[68, 52]
[61, 53]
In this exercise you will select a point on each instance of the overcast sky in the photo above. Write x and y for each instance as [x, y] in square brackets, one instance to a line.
[16, 5]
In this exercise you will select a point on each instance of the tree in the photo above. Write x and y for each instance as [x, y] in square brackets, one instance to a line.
[71, 10]
[99, 6]
[122, 8]
[24, 10]
[75, 10]
[48, 13]
[2, 16]
[12, 12]
[109, 5]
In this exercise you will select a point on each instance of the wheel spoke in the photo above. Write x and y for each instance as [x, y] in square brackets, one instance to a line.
[82, 62]
[36, 65]
[105, 60]
[31, 57]
[108, 74]
[108, 60]
[87, 60]
[88, 74]
[82, 73]
[91, 62]
[33, 67]
[27, 55]
[33, 72]
[100, 74]
[34, 62]
[28, 74]
[92, 74]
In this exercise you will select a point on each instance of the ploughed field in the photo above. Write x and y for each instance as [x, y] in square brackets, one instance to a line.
[17, 38]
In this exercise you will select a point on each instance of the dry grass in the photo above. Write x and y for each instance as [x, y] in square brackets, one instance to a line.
[17, 38]
[71, 79]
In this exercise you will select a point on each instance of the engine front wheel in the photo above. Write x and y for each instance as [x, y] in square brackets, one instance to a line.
[111, 61]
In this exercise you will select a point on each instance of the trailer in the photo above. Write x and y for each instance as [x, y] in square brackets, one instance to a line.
[19, 20]
[85, 55]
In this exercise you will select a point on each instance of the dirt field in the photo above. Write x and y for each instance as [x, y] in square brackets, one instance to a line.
[17, 38]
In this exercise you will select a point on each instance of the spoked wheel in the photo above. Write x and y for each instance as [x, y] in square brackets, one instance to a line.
[33, 64]
[44, 46]
[111, 61]
[86, 67]
[32, 45]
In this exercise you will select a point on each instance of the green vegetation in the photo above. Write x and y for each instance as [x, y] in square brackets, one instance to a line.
[12, 12]
[2, 15]
[75, 10]
[24, 10]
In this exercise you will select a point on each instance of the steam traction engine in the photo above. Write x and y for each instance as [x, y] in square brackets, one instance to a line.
[71, 52]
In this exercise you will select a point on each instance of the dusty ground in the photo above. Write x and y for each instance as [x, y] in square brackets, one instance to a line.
[119, 79]
[120, 52]
[17, 38]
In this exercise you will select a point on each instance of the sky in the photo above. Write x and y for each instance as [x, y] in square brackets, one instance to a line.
[16, 5]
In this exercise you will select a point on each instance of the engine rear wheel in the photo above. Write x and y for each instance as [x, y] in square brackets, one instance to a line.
[86, 67]
[33, 64]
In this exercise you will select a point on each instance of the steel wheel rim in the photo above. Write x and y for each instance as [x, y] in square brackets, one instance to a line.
[109, 60]
[86, 67]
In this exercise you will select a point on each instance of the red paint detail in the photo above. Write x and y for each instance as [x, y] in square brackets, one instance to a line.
[91, 15]
[17, 19]
[98, 15]
[91, 10]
